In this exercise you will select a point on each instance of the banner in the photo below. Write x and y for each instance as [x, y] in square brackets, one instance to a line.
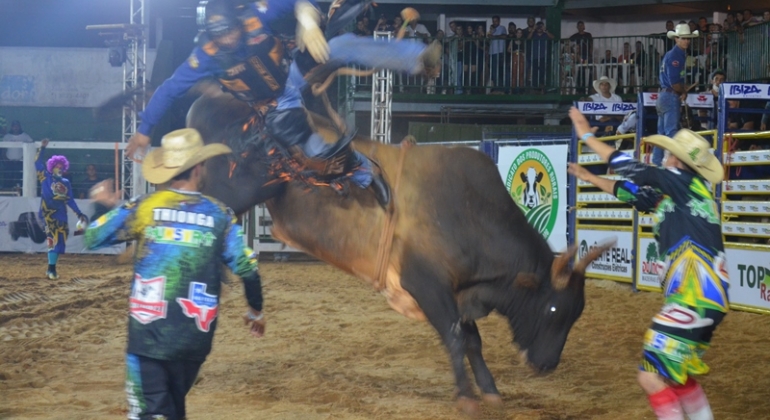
[536, 179]
[60, 77]
[649, 266]
[22, 231]
[694, 100]
[606, 108]
[749, 272]
[745, 90]
[617, 262]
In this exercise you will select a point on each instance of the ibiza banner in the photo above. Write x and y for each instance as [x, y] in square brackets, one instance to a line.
[21, 230]
[536, 179]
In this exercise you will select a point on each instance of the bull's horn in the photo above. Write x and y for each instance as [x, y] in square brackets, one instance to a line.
[581, 265]
[560, 272]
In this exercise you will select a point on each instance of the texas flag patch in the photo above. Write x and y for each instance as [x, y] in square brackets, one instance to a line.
[201, 306]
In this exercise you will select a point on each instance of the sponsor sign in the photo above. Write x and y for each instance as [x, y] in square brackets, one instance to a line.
[536, 179]
[749, 272]
[606, 108]
[746, 90]
[21, 230]
[649, 266]
[617, 262]
[694, 100]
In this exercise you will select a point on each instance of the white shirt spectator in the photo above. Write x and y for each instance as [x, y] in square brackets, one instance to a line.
[16, 153]
[597, 97]
[413, 32]
[497, 46]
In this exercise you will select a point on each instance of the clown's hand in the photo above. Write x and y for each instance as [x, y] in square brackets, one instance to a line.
[44, 143]
[309, 35]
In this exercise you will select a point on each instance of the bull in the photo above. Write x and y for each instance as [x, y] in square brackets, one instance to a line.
[461, 248]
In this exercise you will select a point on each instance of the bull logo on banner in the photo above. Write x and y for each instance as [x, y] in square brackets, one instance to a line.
[532, 183]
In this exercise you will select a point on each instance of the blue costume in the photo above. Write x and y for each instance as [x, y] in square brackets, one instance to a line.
[56, 195]
[253, 73]
[669, 104]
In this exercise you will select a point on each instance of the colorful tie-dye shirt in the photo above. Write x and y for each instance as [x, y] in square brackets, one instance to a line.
[181, 238]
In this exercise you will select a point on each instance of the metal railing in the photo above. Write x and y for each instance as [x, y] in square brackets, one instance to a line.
[481, 65]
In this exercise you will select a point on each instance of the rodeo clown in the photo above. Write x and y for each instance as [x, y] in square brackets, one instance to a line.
[689, 234]
[242, 48]
[56, 195]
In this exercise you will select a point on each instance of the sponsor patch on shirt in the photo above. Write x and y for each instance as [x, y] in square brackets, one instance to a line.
[675, 63]
[146, 302]
[199, 305]
[193, 61]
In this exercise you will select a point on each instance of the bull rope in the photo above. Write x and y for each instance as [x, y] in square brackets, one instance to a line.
[386, 238]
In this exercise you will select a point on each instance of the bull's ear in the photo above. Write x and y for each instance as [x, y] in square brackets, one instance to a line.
[593, 254]
[560, 271]
[526, 281]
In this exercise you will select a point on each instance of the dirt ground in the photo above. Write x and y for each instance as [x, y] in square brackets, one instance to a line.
[335, 350]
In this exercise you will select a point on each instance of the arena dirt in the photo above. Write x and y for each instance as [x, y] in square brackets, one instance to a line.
[334, 350]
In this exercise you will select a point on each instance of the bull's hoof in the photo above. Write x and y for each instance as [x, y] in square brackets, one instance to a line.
[493, 400]
[468, 406]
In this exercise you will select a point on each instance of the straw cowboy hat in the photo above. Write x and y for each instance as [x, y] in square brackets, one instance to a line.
[694, 151]
[180, 150]
[599, 81]
[682, 31]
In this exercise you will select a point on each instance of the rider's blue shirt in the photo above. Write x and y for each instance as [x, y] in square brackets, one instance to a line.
[276, 19]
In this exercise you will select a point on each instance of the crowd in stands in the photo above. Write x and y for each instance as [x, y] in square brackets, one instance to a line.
[499, 59]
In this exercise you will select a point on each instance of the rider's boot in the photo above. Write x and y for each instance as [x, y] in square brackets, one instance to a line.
[365, 177]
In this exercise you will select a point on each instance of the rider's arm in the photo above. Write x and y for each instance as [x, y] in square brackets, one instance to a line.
[198, 66]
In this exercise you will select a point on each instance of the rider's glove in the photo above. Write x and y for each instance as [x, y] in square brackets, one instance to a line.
[309, 35]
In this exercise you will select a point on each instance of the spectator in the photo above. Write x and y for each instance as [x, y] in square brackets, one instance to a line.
[175, 295]
[480, 38]
[530, 26]
[610, 68]
[729, 24]
[500, 75]
[417, 31]
[15, 155]
[749, 19]
[511, 30]
[383, 25]
[518, 63]
[398, 22]
[567, 68]
[766, 16]
[456, 50]
[452, 26]
[669, 43]
[470, 58]
[739, 19]
[605, 92]
[367, 25]
[360, 28]
[540, 39]
[693, 26]
[703, 25]
[585, 47]
[639, 58]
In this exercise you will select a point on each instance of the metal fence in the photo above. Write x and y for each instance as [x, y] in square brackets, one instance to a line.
[482, 65]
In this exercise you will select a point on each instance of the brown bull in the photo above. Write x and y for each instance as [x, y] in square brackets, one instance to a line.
[460, 249]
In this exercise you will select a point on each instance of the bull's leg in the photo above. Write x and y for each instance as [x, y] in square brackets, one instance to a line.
[484, 378]
[437, 302]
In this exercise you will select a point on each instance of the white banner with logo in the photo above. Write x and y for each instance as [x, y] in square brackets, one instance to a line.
[749, 272]
[606, 108]
[746, 90]
[22, 231]
[694, 100]
[536, 179]
[617, 262]
[649, 266]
